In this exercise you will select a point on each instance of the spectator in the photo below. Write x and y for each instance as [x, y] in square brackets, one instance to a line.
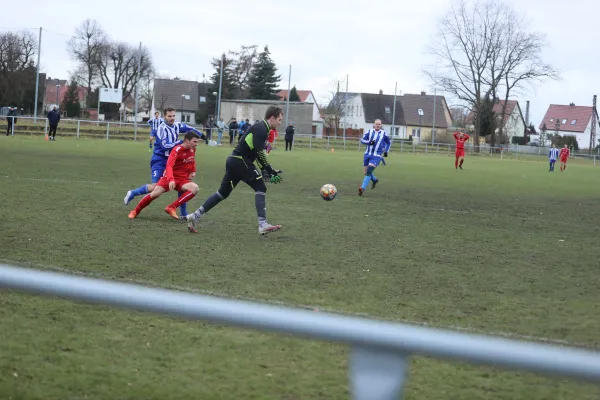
[220, 128]
[289, 136]
[53, 120]
[11, 120]
[233, 127]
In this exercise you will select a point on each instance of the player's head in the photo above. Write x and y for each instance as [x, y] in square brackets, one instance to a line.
[273, 116]
[377, 124]
[553, 145]
[156, 114]
[566, 146]
[190, 140]
[169, 114]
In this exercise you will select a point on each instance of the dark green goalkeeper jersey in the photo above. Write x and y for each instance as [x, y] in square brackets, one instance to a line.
[251, 147]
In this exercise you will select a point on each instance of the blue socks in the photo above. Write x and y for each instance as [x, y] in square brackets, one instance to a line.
[366, 181]
[183, 207]
[373, 178]
[141, 190]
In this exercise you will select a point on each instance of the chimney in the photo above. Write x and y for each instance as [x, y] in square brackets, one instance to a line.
[572, 104]
[423, 93]
[380, 91]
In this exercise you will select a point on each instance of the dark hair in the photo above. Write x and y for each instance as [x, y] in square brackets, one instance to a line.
[168, 109]
[273, 112]
[190, 135]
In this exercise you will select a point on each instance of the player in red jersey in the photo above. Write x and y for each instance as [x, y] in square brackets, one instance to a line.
[460, 138]
[564, 156]
[181, 168]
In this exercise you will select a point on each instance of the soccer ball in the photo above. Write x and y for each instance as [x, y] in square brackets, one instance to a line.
[328, 192]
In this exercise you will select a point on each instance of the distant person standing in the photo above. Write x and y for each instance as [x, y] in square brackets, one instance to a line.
[289, 136]
[233, 127]
[220, 128]
[11, 120]
[53, 120]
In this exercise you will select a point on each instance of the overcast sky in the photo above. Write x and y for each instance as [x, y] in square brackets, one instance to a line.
[376, 43]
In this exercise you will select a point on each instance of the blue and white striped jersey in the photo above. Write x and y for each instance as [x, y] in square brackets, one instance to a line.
[553, 154]
[155, 123]
[382, 142]
[167, 137]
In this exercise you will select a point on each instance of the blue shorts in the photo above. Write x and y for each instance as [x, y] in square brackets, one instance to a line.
[157, 168]
[153, 133]
[371, 159]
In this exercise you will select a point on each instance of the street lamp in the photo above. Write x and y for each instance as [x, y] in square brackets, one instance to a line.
[420, 111]
[187, 97]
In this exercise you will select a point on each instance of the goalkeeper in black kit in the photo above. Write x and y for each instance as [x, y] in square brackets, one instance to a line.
[240, 167]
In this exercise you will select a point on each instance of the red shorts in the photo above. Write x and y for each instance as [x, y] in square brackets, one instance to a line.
[164, 183]
[460, 152]
[564, 160]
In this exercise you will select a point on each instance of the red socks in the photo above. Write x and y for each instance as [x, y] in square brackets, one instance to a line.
[184, 198]
[143, 203]
[461, 161]
[456, 163]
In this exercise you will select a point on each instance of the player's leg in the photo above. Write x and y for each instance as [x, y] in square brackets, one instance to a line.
[156, 173]
[462, 159]
[161, 187]
[255, 180]
[188, 190]
[228, 183]
[366, 178]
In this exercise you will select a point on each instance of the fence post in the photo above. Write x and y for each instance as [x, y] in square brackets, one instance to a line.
[310, 142]
[12, 127]
[107, 129]
[425, 148]
[46, 127]
[328, 145]
[377, 374]
[78, 128]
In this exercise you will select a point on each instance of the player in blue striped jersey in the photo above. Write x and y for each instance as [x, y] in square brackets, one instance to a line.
[378, 144]
[167, 137]
[552, 157]
[154, 124]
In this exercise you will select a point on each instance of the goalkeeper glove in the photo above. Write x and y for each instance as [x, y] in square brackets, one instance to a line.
[372, 142]
[275, 179]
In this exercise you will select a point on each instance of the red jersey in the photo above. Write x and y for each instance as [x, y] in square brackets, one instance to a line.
[181, 163]
[564, 153]
[272, 135]
[460, 142]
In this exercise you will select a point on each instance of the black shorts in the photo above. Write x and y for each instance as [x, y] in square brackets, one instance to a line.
[236, 170]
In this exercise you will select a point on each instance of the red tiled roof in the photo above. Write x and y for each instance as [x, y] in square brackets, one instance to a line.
[303, 94]
[580, 114]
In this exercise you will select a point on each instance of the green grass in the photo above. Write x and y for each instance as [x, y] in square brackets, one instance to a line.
[502, 247]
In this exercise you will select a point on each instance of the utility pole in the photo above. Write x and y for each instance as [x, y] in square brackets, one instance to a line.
[37, 78]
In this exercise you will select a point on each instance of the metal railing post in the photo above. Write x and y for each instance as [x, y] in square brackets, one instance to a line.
[107, 129]
[78, 128]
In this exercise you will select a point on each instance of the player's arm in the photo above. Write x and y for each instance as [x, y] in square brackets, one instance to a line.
[161, 135]
[183, 128]
[387, 142]
[150, 122]
[365, 138]
[467, 137]
[455, 134]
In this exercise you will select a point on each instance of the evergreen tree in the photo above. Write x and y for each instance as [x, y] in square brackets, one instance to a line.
[71, 101]
[264, 80]
[294, 94]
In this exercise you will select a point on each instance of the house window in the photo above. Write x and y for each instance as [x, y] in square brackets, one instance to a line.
[564, 121]
[416, 133]
[573, 122]
[551, 119]
[387, 110]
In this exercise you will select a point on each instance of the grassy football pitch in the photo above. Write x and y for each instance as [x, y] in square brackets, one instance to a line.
[504, 247]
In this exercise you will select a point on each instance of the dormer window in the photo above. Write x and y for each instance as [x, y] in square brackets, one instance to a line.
[573, 122]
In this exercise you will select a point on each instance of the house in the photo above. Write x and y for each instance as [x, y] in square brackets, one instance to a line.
[421, 126]
[300, 114]
[362, 109]
[513, 123]
[56, 90]
[570, 120]
[179, 94]
[306, 96]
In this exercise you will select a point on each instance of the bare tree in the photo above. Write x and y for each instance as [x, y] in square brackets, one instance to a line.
[241, 65]
[118, 67]
[336, 105]
[523, 64]
[86, 47]
[17, 68]
[471, 51]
